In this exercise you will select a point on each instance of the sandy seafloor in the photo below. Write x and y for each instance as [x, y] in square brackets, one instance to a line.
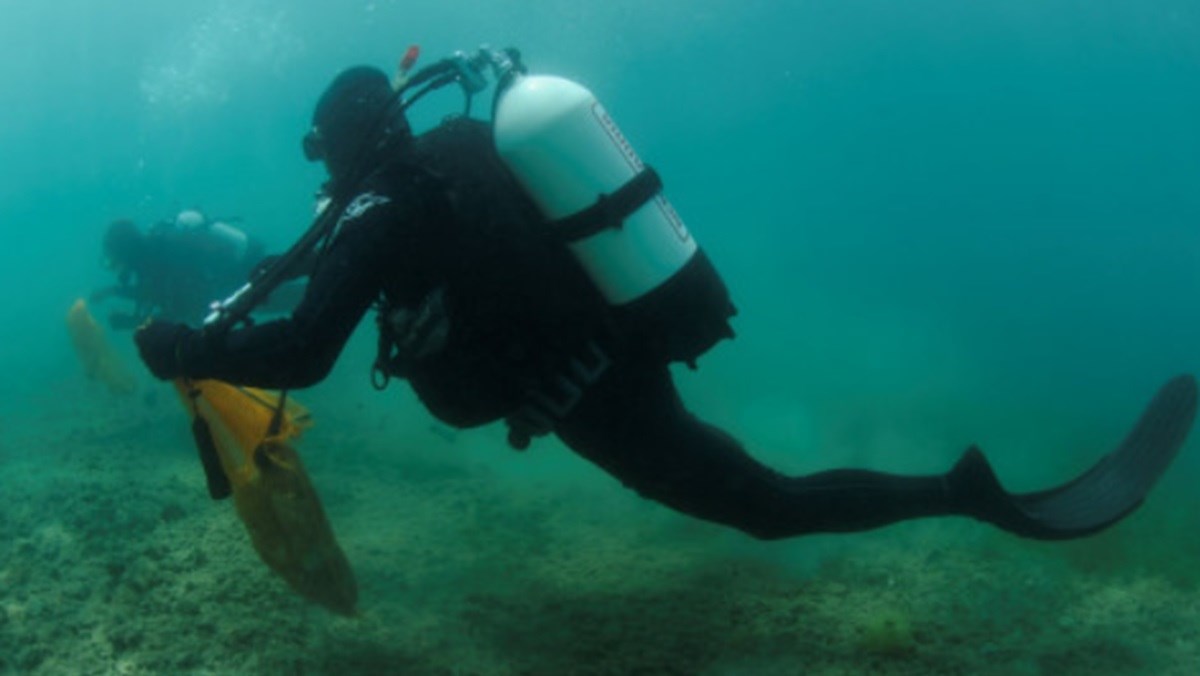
[114, 560]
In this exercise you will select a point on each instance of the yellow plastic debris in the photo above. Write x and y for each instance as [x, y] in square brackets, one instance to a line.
[274, 497]
[100, 361]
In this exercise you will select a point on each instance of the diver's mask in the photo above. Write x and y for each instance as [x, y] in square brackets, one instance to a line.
[314, 145]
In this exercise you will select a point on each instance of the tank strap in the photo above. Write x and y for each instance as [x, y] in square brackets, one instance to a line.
[610, 210]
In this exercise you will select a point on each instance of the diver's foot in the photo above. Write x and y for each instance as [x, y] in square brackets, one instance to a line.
[1108, 492]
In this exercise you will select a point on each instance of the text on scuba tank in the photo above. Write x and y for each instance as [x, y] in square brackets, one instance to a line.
[618, 139]
[615, 135]
[672, 217]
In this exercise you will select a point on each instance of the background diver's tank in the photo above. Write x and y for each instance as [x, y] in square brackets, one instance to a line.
[568, 153]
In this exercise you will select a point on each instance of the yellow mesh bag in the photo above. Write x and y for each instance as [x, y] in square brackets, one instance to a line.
[100, 361]
[244, 437]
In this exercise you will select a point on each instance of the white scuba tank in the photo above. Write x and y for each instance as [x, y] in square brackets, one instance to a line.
[566, 151]
[238, 240]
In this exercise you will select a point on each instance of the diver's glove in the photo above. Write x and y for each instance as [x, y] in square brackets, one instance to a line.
[159, 345]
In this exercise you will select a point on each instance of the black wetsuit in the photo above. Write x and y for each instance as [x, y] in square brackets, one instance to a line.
[518, 308]
[176, 273]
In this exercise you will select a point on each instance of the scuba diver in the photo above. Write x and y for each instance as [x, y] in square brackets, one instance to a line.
[180, 266]
[177, 268]
[505, 290]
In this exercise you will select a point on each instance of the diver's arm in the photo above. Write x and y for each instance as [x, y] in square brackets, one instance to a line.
[113, 291]
[104, 293]
[117, 320]
[300, 350]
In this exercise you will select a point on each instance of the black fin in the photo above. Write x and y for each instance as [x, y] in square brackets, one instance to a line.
[1108, 492]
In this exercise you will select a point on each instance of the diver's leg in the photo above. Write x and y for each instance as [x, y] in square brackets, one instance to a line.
[633, 424]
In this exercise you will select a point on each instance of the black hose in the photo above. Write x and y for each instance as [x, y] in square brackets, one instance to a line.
[434, 76]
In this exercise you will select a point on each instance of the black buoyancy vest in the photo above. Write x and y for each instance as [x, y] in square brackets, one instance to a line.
[519, 304]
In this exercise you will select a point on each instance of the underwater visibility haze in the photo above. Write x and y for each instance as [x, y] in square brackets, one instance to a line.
[943, 224]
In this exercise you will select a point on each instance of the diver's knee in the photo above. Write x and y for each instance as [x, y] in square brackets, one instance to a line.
[686, 502]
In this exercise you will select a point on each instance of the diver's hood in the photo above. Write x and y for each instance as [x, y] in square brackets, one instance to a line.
[356, 117]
